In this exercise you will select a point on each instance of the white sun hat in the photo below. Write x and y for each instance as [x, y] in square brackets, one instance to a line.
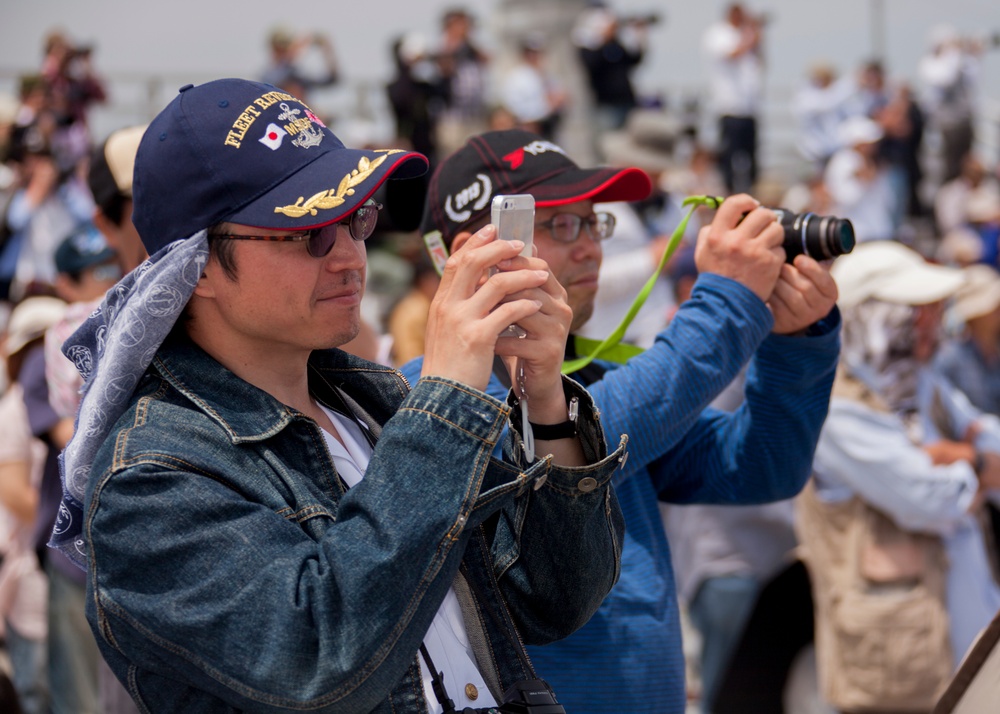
[891, 272]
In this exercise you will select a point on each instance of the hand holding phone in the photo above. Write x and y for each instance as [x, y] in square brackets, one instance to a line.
[514, 217]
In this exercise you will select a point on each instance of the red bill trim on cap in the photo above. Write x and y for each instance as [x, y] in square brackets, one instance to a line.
[630, 184]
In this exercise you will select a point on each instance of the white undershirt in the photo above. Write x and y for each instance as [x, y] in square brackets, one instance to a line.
[446, 640]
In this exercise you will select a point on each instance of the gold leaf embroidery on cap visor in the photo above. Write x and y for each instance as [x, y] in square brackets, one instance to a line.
[331, 198]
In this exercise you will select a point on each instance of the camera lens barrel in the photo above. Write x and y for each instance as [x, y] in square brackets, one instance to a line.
[820, 237]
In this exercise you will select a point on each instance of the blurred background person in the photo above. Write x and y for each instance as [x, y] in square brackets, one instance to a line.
[971, 358]
[967, 212]
[24, 454]
[463, 66]
[610, 55]
[642, 230]
[30, 124]
[973, 185]
[971, 361]
[820, 106]
[287, 51]
[47, 204]
[870, 91]
[858, 186]
[416, 94]
[73, 87]
[109, 179]
[501, 118]
[949, 74]
[902, 121]
[531, 92]
[86, 268]
[406, 322]
[696, 175]
[736, 81]
[901, 576]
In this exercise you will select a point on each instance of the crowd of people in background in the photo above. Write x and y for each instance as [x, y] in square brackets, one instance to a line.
[920, 369]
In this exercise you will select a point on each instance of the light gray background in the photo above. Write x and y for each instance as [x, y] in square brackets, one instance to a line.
[183, 41]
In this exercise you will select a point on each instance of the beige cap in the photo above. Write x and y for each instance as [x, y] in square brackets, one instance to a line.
[119, 152]
[889, 271]
[980, 295]
[30, 319]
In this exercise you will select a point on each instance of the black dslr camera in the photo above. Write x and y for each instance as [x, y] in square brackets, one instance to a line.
[819, 237]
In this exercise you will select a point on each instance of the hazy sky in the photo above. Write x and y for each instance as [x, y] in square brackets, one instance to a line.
[194, 40]
[212, 37]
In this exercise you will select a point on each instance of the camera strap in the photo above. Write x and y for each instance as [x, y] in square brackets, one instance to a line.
[610, 348]
[525, 695]
[437, 682]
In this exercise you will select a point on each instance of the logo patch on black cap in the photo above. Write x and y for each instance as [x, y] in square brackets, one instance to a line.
[516, 157]
[478, 193]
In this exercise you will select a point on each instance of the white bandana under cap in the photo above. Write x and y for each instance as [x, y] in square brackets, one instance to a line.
[112, 350]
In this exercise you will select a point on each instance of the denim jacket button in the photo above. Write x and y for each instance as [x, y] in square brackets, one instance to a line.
[462, 521]
[540, 481]
[587, 484]
[471, 692]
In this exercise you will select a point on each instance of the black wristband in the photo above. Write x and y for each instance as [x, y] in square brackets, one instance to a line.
[563, 430]
[552, 432]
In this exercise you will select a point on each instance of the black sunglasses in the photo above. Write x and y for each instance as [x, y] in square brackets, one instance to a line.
[360, 224]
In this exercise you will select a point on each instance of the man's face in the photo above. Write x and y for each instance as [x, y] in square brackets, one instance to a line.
[575, 265]
[283, 300]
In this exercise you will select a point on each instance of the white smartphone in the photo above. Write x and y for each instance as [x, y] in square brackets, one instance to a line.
[514, 217]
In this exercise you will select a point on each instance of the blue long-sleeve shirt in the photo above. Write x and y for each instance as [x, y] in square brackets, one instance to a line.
[628, 657]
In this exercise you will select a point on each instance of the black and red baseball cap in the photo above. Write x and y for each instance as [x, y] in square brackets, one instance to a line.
[516, 161]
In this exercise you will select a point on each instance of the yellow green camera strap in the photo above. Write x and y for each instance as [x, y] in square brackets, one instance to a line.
[611, 348]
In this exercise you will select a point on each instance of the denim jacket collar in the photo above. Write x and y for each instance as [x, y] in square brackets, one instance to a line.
[257, 415]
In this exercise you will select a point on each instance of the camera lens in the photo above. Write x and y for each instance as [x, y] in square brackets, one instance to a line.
[820, 237]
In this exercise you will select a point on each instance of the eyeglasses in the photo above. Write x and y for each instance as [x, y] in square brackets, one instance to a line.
[565, 227]
[319, 241]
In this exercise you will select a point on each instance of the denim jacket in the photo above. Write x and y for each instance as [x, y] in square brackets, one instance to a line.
[230, 569]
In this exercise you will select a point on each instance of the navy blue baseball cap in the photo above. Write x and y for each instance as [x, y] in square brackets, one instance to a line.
[245, 152]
